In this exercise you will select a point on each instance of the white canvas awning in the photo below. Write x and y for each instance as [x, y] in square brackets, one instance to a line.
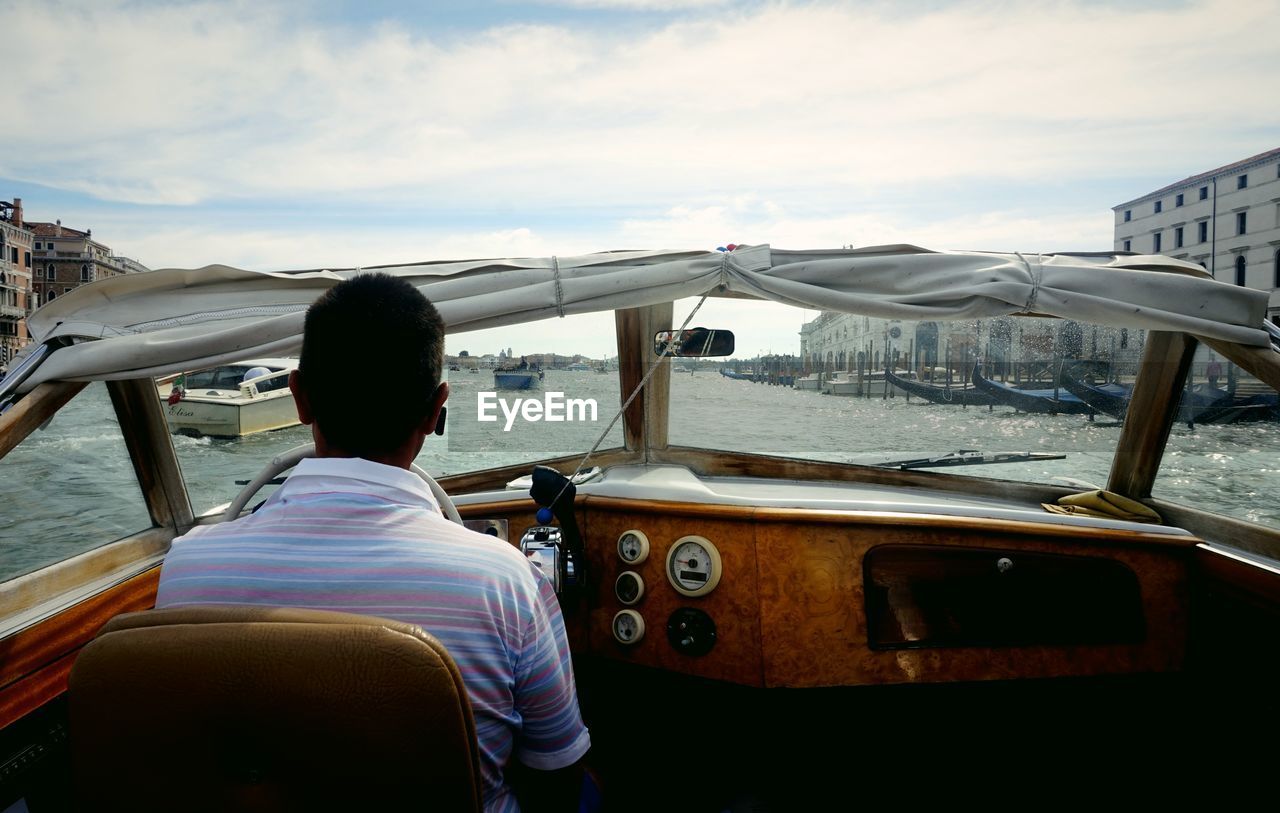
[170, 320]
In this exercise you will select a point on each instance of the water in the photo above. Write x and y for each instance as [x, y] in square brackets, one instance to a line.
[71, 485]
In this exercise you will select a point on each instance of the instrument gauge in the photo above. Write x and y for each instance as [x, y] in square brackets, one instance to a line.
[628, 627]
[629, 587]
[633, 547]
[693, 566]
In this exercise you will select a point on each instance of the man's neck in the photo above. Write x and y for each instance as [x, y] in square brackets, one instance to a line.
[401, 457]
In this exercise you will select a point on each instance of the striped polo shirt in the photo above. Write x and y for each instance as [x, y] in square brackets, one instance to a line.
[349, 535]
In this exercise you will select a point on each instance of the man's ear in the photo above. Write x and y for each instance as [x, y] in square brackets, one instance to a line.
[300, 398]
[434, 422]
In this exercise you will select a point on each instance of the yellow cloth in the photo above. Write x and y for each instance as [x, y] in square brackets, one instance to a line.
[1105, 504]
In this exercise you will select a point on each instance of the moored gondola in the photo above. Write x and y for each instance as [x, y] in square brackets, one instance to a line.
[1045, 401]
[958, 396]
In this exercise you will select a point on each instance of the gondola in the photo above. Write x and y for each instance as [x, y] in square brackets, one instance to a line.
[955, 396]
[1045, 401]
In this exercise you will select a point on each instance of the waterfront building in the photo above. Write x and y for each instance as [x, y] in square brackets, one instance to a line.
[15, 279]
[841, 342]
[1226, 219]
[66, 258]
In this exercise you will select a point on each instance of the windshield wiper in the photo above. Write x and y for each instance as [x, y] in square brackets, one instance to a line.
[969, 457]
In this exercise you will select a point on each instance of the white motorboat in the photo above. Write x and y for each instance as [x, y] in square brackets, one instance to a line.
[232, 400]
[868, 385]
[813, 381]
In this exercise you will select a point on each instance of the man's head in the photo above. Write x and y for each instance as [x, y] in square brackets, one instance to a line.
[369, 377]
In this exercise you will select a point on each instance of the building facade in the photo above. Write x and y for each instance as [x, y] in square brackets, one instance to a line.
[65, 258]
[1226, 219]
[15, 279]
[843, 342]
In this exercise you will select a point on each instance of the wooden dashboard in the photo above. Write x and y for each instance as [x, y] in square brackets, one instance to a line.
[792, 605]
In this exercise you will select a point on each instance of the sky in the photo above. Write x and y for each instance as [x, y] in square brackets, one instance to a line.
[325, 133]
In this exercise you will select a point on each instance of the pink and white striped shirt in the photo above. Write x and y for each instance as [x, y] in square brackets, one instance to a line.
[349, 535]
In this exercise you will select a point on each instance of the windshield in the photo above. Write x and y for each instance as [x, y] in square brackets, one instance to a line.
[813, 385]
[1014, 398]
[69, 487]
[507, 385]
[1223, 453]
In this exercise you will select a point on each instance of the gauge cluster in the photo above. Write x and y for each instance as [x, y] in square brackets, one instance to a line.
[693, 569]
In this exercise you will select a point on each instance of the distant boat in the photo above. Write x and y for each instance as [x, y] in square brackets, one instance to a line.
[956, 396]
[866, 385]
[578, 367]
[812, 381]
[516, 379]
[1044, 401]
[735, 375]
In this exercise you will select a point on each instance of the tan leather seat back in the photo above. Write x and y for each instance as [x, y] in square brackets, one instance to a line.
[244, 708]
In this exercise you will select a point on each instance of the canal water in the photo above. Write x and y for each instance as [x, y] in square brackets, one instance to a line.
[71, 484]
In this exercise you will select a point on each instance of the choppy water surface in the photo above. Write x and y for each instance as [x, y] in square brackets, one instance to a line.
[71, 486]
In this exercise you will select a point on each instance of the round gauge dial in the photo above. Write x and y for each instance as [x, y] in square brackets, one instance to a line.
[628, 627]
[633, 547]
[693, 566]
[629, 587]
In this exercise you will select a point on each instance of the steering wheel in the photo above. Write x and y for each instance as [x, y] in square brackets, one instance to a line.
[291, 458]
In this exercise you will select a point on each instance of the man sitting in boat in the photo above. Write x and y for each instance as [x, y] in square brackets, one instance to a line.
[354, 530]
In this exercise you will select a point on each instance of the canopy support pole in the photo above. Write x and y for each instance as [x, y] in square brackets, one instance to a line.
[1153, 405]
[645, 421]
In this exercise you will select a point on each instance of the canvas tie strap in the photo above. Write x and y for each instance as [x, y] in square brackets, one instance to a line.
[555, 271]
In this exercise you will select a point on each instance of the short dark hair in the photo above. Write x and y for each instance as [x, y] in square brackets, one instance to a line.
[372, 347]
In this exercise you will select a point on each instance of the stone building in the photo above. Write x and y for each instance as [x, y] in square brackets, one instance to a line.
[842, 342]
[65, 258]
[1226, 219]
[15, 279]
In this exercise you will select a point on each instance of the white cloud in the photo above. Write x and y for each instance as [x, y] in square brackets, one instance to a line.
[178, 104]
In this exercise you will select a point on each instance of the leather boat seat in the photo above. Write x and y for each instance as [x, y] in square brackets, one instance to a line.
[270, 709]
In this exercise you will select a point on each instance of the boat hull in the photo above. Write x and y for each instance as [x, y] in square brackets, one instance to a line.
[515, 381]
[231, 417]
[1201, 404]
[1038, 401]
[961, 396]
[870, 386]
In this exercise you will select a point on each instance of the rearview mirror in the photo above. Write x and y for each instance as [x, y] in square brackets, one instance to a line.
[696, 342]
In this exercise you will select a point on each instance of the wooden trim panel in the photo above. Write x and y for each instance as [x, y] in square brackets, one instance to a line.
[1256, 584]
[25, 593]
[894, 519]
[799, 619]
[814, 625]
[1263, 362]
[715, 463]
[35, 662]
[1222, 529]
[32, 411]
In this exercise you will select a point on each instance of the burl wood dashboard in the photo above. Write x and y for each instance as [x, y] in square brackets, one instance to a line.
[840, 598]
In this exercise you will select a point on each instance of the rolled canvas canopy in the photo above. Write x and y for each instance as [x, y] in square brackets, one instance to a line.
[166, 321]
